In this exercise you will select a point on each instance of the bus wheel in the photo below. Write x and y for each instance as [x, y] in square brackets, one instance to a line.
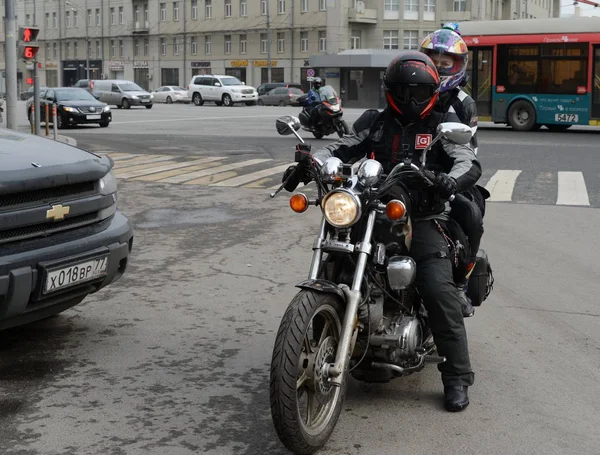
[521, 116]
[556, 127]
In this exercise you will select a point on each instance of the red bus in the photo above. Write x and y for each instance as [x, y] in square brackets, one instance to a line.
[530, 73]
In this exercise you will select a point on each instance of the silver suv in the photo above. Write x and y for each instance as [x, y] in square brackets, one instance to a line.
[222, 90]
[122, 93]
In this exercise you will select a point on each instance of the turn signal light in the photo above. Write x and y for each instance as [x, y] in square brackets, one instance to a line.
[395, 210]
[299, 203]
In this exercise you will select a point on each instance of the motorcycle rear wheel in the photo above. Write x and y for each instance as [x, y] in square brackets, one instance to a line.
[299, 355]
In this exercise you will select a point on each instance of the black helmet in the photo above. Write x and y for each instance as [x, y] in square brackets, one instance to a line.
[411, 83]
[317, 82]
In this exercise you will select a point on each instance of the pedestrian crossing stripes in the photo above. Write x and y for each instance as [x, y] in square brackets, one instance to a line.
[565, 188]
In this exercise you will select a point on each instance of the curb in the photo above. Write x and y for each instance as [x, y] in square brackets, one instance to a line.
[66, 139]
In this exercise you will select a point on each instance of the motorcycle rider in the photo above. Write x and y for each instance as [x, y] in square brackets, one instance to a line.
[450, 54]
[313, 99]
[402, 130]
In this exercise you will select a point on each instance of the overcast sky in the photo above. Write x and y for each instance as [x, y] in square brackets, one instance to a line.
[567, 9]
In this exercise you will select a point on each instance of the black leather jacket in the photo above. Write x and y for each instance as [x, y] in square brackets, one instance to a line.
[459, 103]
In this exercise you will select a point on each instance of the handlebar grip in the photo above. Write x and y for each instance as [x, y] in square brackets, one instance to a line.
[452, 197]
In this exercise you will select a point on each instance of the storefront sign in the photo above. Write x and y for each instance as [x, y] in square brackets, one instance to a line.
[114, 65]
[140, 63]
[335, 75]
[264, 63]
[237, 63]
[202, 64]
[51, 65]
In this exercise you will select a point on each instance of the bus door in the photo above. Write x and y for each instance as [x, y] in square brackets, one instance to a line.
[479, 85]
[596, 84]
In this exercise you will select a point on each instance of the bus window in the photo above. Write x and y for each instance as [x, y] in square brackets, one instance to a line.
[563, 76]
[518, 68]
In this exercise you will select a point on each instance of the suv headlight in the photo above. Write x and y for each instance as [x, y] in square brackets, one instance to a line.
[341, 208]
[106, 109]
[108, 184]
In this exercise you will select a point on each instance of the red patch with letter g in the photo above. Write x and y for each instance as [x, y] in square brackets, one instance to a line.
[423, 140]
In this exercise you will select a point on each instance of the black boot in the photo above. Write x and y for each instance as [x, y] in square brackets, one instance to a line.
[456, 398]
[467, 309]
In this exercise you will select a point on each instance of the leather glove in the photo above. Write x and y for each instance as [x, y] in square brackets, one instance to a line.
[445, 185]
[300, 174]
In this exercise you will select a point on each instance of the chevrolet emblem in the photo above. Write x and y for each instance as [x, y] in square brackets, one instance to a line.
[58, 212]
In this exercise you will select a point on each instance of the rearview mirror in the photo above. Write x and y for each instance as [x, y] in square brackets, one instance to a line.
[287, 124]
[458, 133]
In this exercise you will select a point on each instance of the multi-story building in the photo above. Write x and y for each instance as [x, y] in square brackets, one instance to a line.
[159, 42]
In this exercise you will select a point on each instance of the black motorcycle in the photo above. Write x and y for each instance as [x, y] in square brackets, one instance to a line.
[326, 118]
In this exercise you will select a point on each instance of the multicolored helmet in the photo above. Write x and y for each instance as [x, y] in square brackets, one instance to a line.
[450, 54]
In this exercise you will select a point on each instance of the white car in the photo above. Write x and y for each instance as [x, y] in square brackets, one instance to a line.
[221, 90]
[171, 94]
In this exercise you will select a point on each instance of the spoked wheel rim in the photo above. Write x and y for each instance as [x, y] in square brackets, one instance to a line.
[316, 398]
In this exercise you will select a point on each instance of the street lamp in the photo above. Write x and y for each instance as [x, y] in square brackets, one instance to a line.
[87, 38]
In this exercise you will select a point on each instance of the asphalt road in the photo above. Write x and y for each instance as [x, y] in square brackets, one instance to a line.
[174, 358]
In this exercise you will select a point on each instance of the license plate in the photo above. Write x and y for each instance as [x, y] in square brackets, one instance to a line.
[567, 118]
[145, 101]
[75, 274]
[94, 117]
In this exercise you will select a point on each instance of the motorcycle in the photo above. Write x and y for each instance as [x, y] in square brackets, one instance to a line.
[329, 113]
[359, 312]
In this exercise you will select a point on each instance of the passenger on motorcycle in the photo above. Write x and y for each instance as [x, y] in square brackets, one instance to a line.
[401, 131]
[450, 54]
[313, 98]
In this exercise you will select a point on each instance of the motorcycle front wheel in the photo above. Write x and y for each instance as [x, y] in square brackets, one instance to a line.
[305, 407]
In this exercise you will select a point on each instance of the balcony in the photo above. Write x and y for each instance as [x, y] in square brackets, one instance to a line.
[139, 28]
[362, 16]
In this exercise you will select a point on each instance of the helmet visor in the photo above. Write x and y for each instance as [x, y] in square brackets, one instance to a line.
[420, 93]
[447, 65]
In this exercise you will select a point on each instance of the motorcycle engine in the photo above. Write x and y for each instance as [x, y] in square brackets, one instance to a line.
[399, 341]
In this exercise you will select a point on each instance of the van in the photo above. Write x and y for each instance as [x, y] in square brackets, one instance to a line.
[122, 93]
[265, 88]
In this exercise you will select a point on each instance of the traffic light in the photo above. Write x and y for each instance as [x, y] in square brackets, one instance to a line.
[28, 46]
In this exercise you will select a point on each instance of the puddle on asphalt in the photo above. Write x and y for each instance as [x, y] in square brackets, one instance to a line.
[169, 217]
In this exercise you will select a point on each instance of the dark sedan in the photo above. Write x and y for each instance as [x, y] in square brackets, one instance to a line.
[75, 106]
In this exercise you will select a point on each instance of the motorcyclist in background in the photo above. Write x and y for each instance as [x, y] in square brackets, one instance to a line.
[450, 54]
[402, 130]
[313, 98]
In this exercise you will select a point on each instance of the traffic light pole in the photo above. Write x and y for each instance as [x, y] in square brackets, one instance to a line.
[36, 85]
[11, 64]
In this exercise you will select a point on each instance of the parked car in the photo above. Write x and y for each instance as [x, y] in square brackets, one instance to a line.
[61, 235]
[280, 96]
[222, 90]
[265, 88]
[74, 106]
[171, 94]
[122, 93]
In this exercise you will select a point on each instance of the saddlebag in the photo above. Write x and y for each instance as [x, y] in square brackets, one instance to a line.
[481, 281]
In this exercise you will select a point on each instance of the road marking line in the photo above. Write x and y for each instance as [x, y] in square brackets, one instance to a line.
[212, 178]
[124, 156]
[216, 170]
[167, 167]
[192, 119]
[166, 174]
[110, 153]
[572, 189]
[247, 178]
[136, 161]
[502, 185]
[259, 183]
[120, 172]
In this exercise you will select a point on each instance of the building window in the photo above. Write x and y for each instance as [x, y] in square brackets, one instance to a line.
[194, 10]
[137, 13]
[75, 50]
[304, 6]
[355, 42]
[243, 8]
[75, 19]
[263, 43]
[163, 46]
[391, 9]
[390, 39]
[47, 50]
[27, 19]
[163, 12]
[207, 45]
[54, 51]
[55, 20]
[429, 10]
[98, 17]
[89, 48]
[47, 20]
[175, 11]
[68, 50]
[113, 48]
[146, 13]
[411, 10]
[136, 48]
[411, 39]
[263, 7]
[243, 44]
[322, 41]
[98, 49]
[113, 17]
[228, 44]
[122, 48]
[322, 5]
[303, 41]
[460, 5]
[175, 47]
[208, 9]
[68, 19]
[280, 42]
[146, 47]
[121, 16]
[194, 45]
[281, 7]
[227, 8]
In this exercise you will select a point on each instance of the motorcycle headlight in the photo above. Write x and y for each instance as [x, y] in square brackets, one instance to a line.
[108, 184]
[341, 208]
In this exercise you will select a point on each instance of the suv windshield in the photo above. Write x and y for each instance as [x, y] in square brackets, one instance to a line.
[230, 81]
[131, 87]
[73, 94]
